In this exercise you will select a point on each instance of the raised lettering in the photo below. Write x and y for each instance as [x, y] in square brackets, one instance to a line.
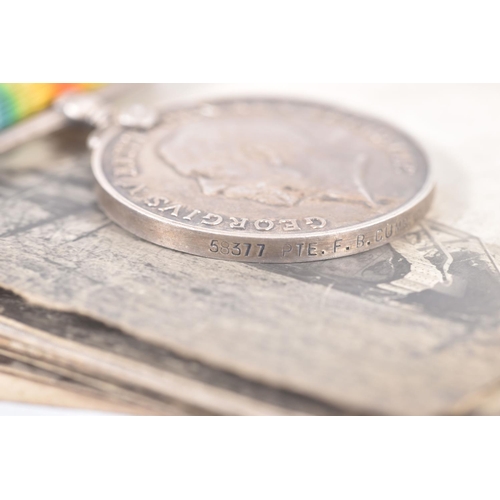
[174, 208]
[136, 189]
[316, 222]
[238, 223]
[212, 220]
[128, 183]
[290, 225]
[191, 215]
[264, 225]
[154, 201]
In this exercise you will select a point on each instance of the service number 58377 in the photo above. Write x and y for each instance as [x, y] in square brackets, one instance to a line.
[237, 249]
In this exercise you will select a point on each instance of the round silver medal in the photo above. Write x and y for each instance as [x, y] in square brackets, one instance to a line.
[261, 180]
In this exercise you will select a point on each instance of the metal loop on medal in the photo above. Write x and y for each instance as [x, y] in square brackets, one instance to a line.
[89, 108]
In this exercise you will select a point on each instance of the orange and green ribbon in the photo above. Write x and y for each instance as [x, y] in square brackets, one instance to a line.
[20, 100]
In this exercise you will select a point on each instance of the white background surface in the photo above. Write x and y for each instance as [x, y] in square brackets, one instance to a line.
[8, 409]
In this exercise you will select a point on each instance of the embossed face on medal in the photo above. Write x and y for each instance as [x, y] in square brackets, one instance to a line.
[265, 169]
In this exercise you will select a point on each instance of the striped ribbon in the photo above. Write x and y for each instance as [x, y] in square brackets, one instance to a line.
[19, 100]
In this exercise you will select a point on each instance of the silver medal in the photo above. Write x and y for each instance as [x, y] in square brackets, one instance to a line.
[260, 180]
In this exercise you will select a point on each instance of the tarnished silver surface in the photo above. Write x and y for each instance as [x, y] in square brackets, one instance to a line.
[262, 181]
